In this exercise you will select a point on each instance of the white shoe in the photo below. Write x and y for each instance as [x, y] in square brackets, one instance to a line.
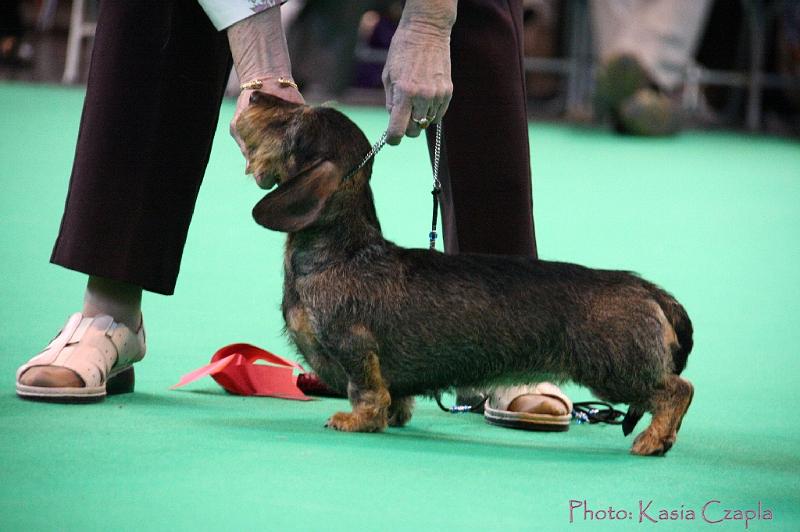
[96, 350]
[542, 407]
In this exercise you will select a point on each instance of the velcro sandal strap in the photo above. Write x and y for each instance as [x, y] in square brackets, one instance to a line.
[129, 346]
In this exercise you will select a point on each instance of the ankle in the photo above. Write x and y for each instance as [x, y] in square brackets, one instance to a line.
[122, 301]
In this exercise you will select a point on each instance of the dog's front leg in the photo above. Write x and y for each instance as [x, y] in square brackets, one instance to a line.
[366, 388]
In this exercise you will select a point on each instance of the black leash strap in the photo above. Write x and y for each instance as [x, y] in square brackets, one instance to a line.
[432, 236]
[588, 412]
[437, 186]
[460, 409]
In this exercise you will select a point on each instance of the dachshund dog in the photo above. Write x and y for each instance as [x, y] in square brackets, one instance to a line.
[384, 323]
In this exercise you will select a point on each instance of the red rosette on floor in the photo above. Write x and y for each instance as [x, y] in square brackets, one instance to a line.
[245, 369]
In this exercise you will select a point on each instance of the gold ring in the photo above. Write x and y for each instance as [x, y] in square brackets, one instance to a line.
[423, 123]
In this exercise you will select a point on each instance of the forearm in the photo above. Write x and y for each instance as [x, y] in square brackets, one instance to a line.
[436, 16]
[258, 46]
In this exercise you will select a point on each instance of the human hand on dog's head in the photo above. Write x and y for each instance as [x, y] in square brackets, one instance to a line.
[284, 92]
[307, 152]
[260, 54]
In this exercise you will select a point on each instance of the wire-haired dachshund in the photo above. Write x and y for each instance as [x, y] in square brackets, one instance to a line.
[386, 323]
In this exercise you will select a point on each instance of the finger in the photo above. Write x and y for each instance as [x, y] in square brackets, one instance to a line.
[387, 90]
[435, 111]
[442, 101]
[440, 110]
[239, 142]
[413, 129]
[420, 117]
[235, 134]
[443, 109]
[398, 120]
[241, 103]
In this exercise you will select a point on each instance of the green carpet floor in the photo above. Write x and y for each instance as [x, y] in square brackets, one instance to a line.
[713, 217]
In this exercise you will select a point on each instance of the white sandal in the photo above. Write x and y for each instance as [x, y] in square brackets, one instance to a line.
[498, 410]
[97, 349]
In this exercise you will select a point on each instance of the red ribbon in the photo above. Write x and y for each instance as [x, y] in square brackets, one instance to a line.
[234, 368]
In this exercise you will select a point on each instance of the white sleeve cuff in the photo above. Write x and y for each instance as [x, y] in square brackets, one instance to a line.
[224, 13]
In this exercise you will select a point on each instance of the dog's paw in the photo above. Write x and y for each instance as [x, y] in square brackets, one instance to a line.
[352, 422]
[648, 443]
[399, 419]
[400, 411]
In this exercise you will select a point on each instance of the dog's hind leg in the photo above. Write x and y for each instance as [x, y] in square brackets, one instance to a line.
[668, 406]
[400, 411]
[366, 388]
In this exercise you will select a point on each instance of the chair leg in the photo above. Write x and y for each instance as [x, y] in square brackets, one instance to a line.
[754, 10]
[79, 29]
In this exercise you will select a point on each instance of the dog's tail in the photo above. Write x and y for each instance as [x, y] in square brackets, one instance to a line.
[632, 417]
[682, 325]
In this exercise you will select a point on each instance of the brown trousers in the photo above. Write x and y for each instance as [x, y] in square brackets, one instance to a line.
[485, 167]
[156, 80]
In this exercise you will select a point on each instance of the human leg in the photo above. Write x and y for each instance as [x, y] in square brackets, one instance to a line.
[644, 47]
[662, 34]
[155, 84]
[485, 166]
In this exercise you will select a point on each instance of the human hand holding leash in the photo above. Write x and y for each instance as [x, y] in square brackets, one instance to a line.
[416, 76]
[261, 58]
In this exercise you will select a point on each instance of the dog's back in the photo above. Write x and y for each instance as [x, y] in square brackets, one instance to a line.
[482, 319]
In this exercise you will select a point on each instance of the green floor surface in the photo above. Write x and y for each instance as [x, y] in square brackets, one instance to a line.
[713, 217]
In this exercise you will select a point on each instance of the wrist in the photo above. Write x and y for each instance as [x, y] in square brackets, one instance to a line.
[430, 16]
[283, 87]
[258, 47]
[266, 81]
[252, 70]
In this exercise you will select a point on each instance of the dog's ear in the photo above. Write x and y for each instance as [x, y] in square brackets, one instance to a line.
[299, 202]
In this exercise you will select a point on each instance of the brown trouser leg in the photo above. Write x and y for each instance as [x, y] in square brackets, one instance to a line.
[485, 167]
[156, 81]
